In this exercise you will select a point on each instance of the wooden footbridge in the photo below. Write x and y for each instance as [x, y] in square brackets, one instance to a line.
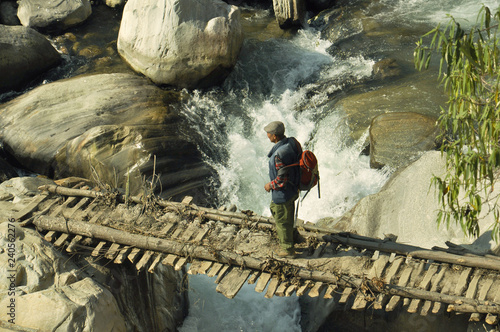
[237, 247]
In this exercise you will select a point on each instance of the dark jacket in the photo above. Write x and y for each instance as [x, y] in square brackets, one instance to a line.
[288, 151]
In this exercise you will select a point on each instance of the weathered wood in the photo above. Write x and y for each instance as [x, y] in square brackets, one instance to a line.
[61, 240]
[304, 287]
[222, 273]
[490, 318]
[180, 263]
[403, 280]
[415, 275]
[112, 251]
[122, 255]
[271, 288]
[214, 270]
[424, 284]
[194, 267]
[63, 206]
[144, 260]
[170, 260]
[77, 207]
[345, 295]
[133, 254]
[417, 252]
[253, 277]
[290, 289]
[231, 284]
[435, 284]
[201, 234]
[155, 262]
[98, 250]
[205, 266]
[71, 191]
[316, 289]
[330, 292]
[281, 289]
[262, 282]
[50, 236]
[73, 243]
[393, 269]
[30, 207]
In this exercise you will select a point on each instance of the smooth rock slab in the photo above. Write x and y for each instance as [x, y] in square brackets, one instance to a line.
[102, 127]
[398, 138]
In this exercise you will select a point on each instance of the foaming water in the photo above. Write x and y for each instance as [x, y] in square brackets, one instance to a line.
[408, 12]
[248, 311]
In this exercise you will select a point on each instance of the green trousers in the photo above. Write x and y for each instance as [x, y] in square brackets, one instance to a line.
[283, 215]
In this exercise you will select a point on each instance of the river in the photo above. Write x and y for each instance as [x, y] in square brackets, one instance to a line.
[272, 81]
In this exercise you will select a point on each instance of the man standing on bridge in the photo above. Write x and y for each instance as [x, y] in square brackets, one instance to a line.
[283, 185]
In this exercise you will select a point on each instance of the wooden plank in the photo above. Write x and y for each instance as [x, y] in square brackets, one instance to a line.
[330, 292]
[273, 285]
[188, 233]
[445, 290]
[304, 287]
[205, 266]
[490, 318]
[177, 232]
[253, 277]
[180, 263]
[112, 251]
[30, 207]
[392, 271]
[201, 234]
[376, 272]
[424, 284]
[231, 284]
[194, 267]
[316, 289]
[78, 206]
[280, 291]
[435, 284]
[485, 287]
[290, 289]
[96, 217]
[214, 270]
[262, 282]
[122, 255]
[403, 280]
[144, 260]
[319, 250]
[133, 254]
[61, 240]
[345, 295]
[461, 286]
[64, 205]
[164, 231]
[170, 260]
[73, 243]
[153, 265]
[222, 272]
[360, 301]
[98, 249]
[50, 236]
[413, 279]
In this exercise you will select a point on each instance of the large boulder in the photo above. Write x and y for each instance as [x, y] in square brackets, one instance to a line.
[398, 138]
[185, 43]
[407, 206]
[112, 128]
[24, 54]
[53, 14]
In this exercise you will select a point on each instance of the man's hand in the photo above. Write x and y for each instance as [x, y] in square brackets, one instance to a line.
[268, 186]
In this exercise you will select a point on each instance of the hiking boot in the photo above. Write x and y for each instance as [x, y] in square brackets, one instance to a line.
[283, 253]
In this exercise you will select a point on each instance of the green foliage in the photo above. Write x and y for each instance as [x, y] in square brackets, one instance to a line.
[470, 73]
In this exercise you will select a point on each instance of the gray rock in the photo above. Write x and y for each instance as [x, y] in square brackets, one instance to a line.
[107, 128]
[398, 138]
[188, 43]
[8, 13]
[24, 54]
[6, 171]
[407, 206]
[53, 14]
[289, 13]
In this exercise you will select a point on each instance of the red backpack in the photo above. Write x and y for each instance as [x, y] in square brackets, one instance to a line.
[309, 174]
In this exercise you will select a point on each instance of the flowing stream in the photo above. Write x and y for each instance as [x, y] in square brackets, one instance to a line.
[272, 81]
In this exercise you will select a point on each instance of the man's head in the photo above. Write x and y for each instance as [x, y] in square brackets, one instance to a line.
[275, 131]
